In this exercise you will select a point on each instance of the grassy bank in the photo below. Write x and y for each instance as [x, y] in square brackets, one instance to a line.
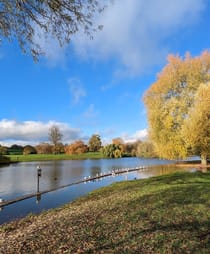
[47, 157]
[167, 214]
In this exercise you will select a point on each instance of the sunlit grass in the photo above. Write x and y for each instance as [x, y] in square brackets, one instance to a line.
[46, 157]
[166, 214]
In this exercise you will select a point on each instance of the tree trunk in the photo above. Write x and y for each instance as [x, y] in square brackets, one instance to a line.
[203, 160]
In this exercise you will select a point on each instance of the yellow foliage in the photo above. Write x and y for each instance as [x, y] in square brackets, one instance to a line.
[196, 127]
[171, 100]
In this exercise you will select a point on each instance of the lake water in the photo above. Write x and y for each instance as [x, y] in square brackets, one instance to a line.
[20, 179]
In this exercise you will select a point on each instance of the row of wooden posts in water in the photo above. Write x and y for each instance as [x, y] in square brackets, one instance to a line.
[98, 176]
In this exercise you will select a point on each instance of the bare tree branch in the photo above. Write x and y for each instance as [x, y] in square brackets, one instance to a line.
[60, 19]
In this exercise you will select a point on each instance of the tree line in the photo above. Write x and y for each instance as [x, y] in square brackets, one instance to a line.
[118, 148]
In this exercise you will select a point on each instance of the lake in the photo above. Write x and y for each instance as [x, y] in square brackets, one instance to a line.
[21, 178]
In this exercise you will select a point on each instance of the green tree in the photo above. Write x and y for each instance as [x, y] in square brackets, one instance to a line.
[112, 151]
[60, 148]
[120, 142]
[15, 149]
[118, 153]
[59, 19]
[196, 128]
[94, 143]
[55, 137]
[169, 101]
[29, 150]
[3, 150]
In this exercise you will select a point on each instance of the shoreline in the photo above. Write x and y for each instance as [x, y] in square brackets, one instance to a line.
[138, 216]
[197, 164]
[85, 156]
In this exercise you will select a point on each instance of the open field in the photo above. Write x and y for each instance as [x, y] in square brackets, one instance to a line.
[166, 214]
[46, 157]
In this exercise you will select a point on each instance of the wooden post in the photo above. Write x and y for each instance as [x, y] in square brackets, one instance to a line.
[39, 174]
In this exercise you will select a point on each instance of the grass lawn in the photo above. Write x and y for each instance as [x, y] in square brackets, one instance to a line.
[46, 157]
[166, 214]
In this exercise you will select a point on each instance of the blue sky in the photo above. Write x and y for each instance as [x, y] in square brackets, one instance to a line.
[96, 86]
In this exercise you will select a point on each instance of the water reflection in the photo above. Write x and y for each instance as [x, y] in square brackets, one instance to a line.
[53, 174]
[38, 197]
[21, 178]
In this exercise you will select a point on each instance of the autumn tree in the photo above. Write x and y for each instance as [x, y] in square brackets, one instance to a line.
[196, 128]
[117, 141]
[60, 19]
[77, 147]
[145, 149]
[169, 102]
[94, 143]
[44, 148]
[55, 137]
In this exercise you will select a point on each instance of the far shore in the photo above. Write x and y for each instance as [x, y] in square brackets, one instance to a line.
[196, 164]
[90, 155]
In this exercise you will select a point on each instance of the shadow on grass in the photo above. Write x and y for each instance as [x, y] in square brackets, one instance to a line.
[174, 237]
[175, 216]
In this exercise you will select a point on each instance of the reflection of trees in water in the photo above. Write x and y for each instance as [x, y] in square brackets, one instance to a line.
[55, 174]
[60, 173]
[95, 170]
[75, 173]
[158, 170]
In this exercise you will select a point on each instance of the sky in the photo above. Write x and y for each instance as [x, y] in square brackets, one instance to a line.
[97, 86]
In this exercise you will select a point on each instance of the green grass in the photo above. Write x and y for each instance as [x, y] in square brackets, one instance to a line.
[166, 214]
[46, 157]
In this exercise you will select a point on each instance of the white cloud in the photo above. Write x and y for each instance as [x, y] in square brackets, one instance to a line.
[108, 135]
[76, 89]
[135, 32]
[32, 132]
[138, 135]
[54, 53]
